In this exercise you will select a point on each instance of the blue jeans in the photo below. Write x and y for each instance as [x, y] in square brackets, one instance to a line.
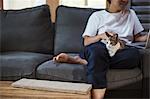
[99, 62]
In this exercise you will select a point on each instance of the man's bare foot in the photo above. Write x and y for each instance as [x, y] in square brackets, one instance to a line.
[80, 60]
[98, 93]
[62, 58]
[65, 58]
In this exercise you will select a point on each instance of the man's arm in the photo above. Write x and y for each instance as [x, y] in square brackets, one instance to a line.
[140, 38]
[92, 39]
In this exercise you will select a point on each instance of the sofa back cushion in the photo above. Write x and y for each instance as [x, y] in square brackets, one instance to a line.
[70, 25]
[27, 30]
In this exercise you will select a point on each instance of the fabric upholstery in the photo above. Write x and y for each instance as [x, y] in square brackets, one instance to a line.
[73, 72]
[15, 65]
[64, 72]
[70, 25]
[27, 30]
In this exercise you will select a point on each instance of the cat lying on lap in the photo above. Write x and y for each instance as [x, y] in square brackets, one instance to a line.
[113, 43]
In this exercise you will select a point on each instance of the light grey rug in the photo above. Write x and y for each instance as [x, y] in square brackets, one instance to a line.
[55, 86]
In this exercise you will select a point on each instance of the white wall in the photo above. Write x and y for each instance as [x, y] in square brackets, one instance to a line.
[97, 3]
[75, 3]
[81, 3]
[20, 4]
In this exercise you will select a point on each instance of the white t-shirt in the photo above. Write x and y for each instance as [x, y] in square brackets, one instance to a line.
[124, 24]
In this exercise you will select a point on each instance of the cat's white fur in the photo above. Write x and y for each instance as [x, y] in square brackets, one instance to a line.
[111, 49]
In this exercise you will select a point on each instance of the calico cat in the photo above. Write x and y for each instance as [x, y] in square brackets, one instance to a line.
[113, 43]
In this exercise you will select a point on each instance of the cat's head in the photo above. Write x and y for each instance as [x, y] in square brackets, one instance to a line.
[112, 38]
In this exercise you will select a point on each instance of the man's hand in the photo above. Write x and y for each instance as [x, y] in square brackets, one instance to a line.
[92, 39]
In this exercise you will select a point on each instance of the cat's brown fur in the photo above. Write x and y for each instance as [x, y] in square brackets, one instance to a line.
[114, 39]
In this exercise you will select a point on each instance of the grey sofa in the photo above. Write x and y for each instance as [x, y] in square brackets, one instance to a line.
[29, 40]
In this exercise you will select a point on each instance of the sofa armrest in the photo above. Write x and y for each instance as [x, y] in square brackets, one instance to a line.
[145, 62]
[145, 69]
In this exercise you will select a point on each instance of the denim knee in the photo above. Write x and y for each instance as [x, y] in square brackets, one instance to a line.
[97, 49]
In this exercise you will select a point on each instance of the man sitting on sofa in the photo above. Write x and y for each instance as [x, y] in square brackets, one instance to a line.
[115, 19]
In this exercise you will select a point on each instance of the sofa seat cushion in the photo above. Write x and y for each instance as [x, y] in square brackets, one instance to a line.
[74, 72]
[124, 77]
[15, 65]
[61, 71]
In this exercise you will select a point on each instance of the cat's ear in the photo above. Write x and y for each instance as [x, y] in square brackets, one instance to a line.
[107, 34]
[116, 35]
